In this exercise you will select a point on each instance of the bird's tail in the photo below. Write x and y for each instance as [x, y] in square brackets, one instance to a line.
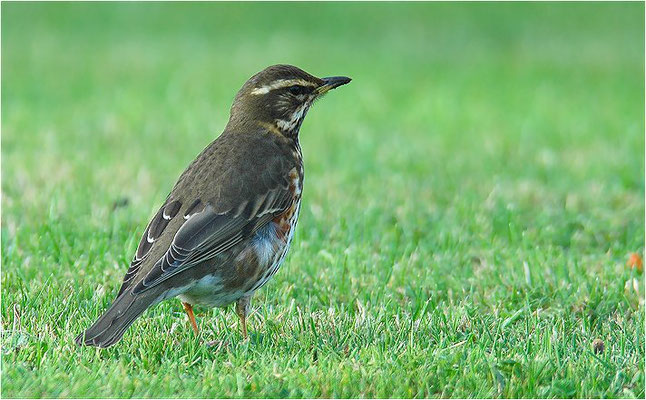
[111, 326]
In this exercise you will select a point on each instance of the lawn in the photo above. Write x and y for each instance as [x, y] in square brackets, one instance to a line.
[471, 198]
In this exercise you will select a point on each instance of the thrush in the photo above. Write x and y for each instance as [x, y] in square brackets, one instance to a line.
[227, 224]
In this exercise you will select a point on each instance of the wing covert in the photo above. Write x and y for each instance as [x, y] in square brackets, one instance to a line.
[211, 212]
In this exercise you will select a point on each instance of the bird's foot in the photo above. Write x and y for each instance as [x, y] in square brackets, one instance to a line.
[191, 317]
[242, 309]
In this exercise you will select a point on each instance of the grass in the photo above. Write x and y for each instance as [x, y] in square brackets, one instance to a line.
[470, 201]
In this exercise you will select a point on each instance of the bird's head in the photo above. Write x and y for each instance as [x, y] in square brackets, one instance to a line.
[279, 97]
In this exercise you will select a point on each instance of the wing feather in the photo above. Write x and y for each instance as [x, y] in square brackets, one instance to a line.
[202, 237]
[198, 222]
[207, 234]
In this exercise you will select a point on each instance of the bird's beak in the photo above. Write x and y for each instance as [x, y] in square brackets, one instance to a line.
[331, 83]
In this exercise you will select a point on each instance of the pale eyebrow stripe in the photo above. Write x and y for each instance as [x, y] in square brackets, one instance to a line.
[281, 83]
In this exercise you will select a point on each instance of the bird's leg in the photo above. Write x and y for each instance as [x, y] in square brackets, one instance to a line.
[242, 309]
[191, 317]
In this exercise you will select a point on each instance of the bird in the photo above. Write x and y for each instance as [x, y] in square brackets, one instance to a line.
[227, 224]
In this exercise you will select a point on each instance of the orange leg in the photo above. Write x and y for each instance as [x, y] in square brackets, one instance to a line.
[191, 317]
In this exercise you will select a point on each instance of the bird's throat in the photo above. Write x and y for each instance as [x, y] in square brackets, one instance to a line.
[277, 128]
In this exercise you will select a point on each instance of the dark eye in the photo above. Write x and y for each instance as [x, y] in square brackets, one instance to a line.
[296, 90]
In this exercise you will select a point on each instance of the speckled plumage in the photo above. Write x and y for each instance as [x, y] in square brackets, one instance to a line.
[227, 224]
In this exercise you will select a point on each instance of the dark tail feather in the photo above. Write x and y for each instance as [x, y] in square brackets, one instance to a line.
[111, 326]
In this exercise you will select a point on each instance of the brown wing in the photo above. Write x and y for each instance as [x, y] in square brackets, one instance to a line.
[187, 231]
[207, 234]
[153, 231]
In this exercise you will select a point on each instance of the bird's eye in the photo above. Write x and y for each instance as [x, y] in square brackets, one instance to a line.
[296, 90]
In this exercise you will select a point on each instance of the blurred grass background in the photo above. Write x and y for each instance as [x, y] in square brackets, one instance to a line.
[470, 202]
